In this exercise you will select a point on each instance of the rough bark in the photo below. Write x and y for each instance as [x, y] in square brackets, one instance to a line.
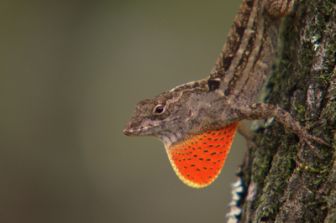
[286, 181]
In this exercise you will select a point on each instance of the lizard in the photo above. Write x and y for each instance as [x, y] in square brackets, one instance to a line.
[197, 121]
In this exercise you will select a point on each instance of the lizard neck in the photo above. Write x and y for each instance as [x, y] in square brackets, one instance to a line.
[248, 54]
[170, 138]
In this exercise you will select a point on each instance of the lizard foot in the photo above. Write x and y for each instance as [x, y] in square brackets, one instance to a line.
[308, 139]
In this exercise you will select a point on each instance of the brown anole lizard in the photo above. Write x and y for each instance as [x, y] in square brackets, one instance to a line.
[197, 121]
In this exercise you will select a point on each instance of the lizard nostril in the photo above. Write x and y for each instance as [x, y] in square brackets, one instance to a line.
[125, 131]
[128, 131]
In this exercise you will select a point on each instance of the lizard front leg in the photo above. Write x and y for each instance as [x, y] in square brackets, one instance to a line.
[263, 111]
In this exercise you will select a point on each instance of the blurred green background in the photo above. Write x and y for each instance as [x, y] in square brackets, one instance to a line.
[71, 74]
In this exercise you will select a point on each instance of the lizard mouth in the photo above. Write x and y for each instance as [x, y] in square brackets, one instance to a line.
[128, 131]
[145, 129]
[132, 131]
[141, 131]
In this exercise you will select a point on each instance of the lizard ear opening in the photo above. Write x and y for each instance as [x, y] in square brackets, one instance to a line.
[213, 84]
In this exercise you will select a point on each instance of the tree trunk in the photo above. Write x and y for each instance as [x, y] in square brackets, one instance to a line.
[286, 181]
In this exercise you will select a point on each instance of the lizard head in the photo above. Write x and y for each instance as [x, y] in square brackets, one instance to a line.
[150, 118]
[183, 119]
[166, 116]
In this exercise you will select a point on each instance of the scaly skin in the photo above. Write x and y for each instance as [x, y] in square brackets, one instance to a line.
[228, 95]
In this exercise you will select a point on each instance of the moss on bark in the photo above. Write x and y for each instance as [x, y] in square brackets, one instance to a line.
[286, 181]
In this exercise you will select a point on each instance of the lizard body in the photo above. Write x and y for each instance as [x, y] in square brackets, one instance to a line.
[199, 117]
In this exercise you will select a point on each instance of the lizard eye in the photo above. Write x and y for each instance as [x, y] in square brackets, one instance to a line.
[159, 109]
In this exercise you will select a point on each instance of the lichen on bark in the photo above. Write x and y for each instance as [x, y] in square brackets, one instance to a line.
[286, 181]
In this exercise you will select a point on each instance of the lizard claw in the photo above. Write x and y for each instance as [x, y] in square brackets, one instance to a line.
[309, 137]
[306, 138]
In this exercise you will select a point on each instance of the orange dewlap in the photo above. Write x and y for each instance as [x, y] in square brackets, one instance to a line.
[199, 159]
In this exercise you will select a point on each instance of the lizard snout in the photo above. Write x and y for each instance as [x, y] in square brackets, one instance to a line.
[128, 131]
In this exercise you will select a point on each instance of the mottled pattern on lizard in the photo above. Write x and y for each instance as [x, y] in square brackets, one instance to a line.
[227, 96]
